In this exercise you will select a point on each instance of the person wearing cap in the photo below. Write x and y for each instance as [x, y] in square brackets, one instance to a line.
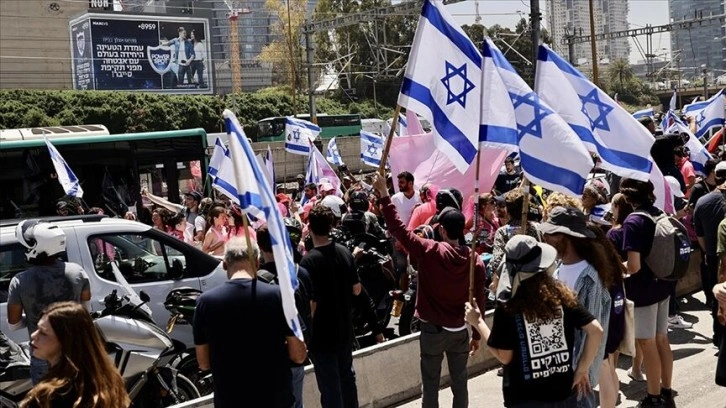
[535, 324]
[709, 211]
[586, 269]
[300, 180]
[443, 288]
[649, 294]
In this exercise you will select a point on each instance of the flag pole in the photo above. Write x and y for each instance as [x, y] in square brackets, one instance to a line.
[389, 140]
[472, 260]
[525, 205]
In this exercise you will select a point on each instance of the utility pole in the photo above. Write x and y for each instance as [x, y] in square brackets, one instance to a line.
[535, 17]
[309, 51]
[705, 83]
[595, 75]
[293, 61]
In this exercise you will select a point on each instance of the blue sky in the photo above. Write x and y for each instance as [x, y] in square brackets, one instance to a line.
[507, 12]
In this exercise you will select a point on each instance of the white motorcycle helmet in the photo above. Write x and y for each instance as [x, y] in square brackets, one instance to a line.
[40, 238]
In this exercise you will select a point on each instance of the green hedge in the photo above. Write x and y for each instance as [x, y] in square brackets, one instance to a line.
[124, 112]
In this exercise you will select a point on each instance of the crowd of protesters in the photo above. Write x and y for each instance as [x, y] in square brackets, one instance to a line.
[571, 287]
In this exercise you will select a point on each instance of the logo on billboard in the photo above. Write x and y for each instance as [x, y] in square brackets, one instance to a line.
[81, 43]
[159, 58]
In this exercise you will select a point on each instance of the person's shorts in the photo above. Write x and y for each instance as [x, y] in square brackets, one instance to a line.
[651, 320]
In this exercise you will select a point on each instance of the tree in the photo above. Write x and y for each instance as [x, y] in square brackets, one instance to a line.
[621, 71]
[285, 51]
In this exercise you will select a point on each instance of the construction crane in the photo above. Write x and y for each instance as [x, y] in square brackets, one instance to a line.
[235, 63]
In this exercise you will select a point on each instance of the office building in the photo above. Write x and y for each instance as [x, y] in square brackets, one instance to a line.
[702, 45]
[572, 17]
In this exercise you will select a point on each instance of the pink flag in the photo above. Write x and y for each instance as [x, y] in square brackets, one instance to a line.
[418, 155]
[414, 125]
[663, 194]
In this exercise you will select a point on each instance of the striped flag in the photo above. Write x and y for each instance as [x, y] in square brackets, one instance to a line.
[299, 134]
[371, 148]
[644, 113]
[217, 156]
[333, 153]
[66, 177]
[257, 198]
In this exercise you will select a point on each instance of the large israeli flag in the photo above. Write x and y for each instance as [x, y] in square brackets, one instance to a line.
[515, 118]
[699, 154]
[621, 142]
[644, 113]
[299, 134]
[258, 199]
[709, 113]
[217, 156]
[371, 148]
[333, 153]
[66, 177]
[442, 83]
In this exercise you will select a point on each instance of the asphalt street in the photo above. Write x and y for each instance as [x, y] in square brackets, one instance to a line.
[693, 370]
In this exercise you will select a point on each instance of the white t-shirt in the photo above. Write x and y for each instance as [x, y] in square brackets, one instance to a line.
[405, 206]
[200, 52]
[568, 274]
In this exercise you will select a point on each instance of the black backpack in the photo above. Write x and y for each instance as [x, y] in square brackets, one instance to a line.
[302, 298]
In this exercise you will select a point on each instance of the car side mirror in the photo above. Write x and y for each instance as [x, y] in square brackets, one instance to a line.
[177, 269]
[144, 297]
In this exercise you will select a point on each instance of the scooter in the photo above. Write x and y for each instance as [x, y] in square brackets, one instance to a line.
[139, 349]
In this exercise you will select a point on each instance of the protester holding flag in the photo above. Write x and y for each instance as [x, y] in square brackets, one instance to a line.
[443, 288]
[223, 320]
[68, 180]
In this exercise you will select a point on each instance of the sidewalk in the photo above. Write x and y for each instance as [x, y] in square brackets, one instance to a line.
[693, 369]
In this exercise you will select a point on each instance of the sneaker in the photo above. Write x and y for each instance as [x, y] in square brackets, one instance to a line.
[677, 322]
[667, 397]
[636, 377]
[651, 402]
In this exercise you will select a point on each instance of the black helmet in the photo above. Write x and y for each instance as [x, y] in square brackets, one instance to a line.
[294, 228]
[182, 301]
[449, 197]
[359, 201]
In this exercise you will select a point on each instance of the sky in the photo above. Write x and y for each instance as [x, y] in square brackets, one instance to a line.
[507, 12]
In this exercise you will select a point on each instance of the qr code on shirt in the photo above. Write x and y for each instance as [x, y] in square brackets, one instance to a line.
[546, 337]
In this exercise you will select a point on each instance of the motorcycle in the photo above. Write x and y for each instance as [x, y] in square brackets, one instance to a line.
[139, 349]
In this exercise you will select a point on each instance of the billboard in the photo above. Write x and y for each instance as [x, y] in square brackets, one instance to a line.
[114, 52]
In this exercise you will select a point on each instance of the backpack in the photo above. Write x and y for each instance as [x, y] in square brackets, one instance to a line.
[671, 250]
[302, 297]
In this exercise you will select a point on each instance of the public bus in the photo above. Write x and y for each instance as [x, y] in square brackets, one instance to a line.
[273, 129]
[168, 164]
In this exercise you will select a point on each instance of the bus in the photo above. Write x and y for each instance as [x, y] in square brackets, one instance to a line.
[273, 129]
[111, 168]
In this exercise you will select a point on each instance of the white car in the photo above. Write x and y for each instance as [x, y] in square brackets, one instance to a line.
[148, 259]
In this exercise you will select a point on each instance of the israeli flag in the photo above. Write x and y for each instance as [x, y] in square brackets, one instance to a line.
[622, 143]
[644, 113]
[256, 198]
[401, 127]
[299, 134]
[66, 177]
[224, 180]
[673, 101]
[371, 148]
[699, 155]
[515, 118]
[217, 156]
[442, 83]
[319, 171]
[709, 113]
[333, 155]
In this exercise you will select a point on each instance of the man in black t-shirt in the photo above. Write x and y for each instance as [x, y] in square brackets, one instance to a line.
[241, 334]
[509, 179]
[335, 282]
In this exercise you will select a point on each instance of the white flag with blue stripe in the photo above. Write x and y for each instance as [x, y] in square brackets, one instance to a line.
[515, 118]
[66, 177]
[699, 155]
[371, 148]
[674, 100]
[442, 83]
[217, 156]
[257, 198]
[644, 113]
[224, 180]
[299, 134]
[333, 153]
[401, 127]
[708, 114]
[621, 142]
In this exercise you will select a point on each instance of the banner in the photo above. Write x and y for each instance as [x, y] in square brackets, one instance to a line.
[141, 53]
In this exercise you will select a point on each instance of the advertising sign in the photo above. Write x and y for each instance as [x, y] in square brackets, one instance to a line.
[141, 53]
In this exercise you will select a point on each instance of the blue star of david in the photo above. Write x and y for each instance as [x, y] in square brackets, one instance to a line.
[372, 148]
[452, 72]
[296, 135]
[334, 153]
[700, 119]
[534, 127]
[593, 98]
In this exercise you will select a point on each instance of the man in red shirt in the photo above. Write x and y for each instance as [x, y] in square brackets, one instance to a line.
[443, 289]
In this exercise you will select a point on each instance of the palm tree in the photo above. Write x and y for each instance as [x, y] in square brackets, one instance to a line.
[621, 71]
